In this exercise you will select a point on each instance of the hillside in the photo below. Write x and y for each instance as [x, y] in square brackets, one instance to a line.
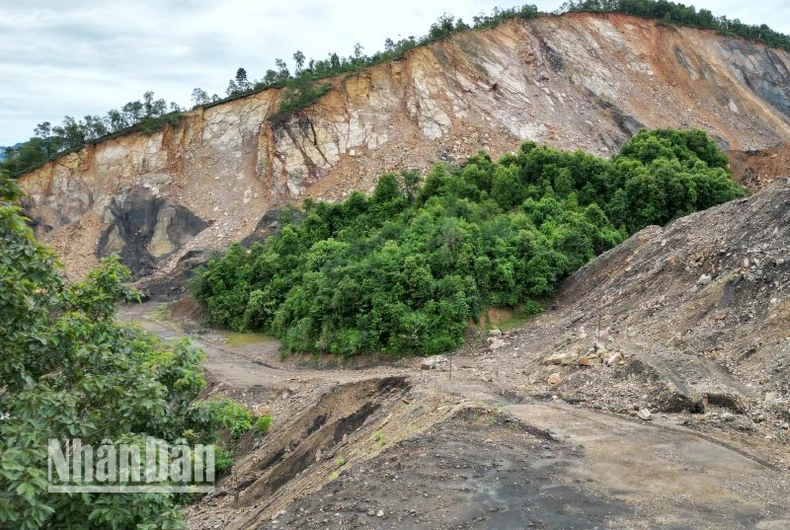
[540, 338]
[576, 81]
[653, 394]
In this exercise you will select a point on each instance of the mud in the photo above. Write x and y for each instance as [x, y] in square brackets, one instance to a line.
[472, 451]
[688, 429]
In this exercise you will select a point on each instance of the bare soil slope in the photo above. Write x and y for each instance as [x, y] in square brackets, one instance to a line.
[654, 394]
[756, 168]
[576, 81]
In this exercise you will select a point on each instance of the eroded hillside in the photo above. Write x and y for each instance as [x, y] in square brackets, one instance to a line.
[575, 81]
[652, 394]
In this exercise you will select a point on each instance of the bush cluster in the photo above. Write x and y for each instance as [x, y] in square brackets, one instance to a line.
[405, 270]
[69, 370]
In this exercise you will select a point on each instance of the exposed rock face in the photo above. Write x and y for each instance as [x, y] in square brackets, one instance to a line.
[142, 228]
[576, 81]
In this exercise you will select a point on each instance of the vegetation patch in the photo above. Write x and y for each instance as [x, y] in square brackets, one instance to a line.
[70, 371]
[403, 271]
[297, 95]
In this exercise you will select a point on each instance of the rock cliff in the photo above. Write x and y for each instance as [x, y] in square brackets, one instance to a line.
[573, 81]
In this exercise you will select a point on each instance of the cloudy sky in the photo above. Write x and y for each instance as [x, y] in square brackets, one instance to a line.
[80, 57]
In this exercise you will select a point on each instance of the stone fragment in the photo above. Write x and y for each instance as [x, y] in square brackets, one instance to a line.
[564, 359]
[615, 358]
[589, 360]
[261, 410]
[497, 343]
[432, 363]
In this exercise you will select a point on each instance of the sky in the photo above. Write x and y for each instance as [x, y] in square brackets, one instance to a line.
[78, 57]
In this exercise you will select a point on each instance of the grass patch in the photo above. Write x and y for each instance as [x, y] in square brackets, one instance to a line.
[244, 339]
[379, 438]
[262, 424]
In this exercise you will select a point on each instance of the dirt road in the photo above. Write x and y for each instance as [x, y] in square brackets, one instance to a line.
[398, 447]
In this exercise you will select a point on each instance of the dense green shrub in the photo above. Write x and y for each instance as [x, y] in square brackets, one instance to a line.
[404, 271]
[68, 370]
[262, 424]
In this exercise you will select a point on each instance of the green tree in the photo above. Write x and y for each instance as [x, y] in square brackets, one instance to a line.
[403, 271]
[69, 371]
[200, 97]
[282, 70]
[242, 81]
[299, 60]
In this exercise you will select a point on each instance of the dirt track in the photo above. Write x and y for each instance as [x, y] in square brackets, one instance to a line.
[427, 451]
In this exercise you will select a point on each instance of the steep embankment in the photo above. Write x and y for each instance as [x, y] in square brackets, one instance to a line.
[576, 81]
[697, 311]
[756, 168]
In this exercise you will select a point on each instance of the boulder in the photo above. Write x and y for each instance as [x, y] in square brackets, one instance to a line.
[644, 415]
[432, 363]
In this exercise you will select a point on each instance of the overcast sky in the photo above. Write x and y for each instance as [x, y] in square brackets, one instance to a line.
[80, 57]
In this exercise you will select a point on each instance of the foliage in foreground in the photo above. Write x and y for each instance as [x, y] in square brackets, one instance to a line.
[67, 370]
[405, 270]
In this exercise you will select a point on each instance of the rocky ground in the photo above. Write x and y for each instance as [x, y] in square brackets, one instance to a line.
[653, 393]
[756, 168]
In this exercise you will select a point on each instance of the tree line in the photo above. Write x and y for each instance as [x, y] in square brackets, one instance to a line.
[403, 271]
[148, 115]
[334, 64]
[675, 13]
[302, 83]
